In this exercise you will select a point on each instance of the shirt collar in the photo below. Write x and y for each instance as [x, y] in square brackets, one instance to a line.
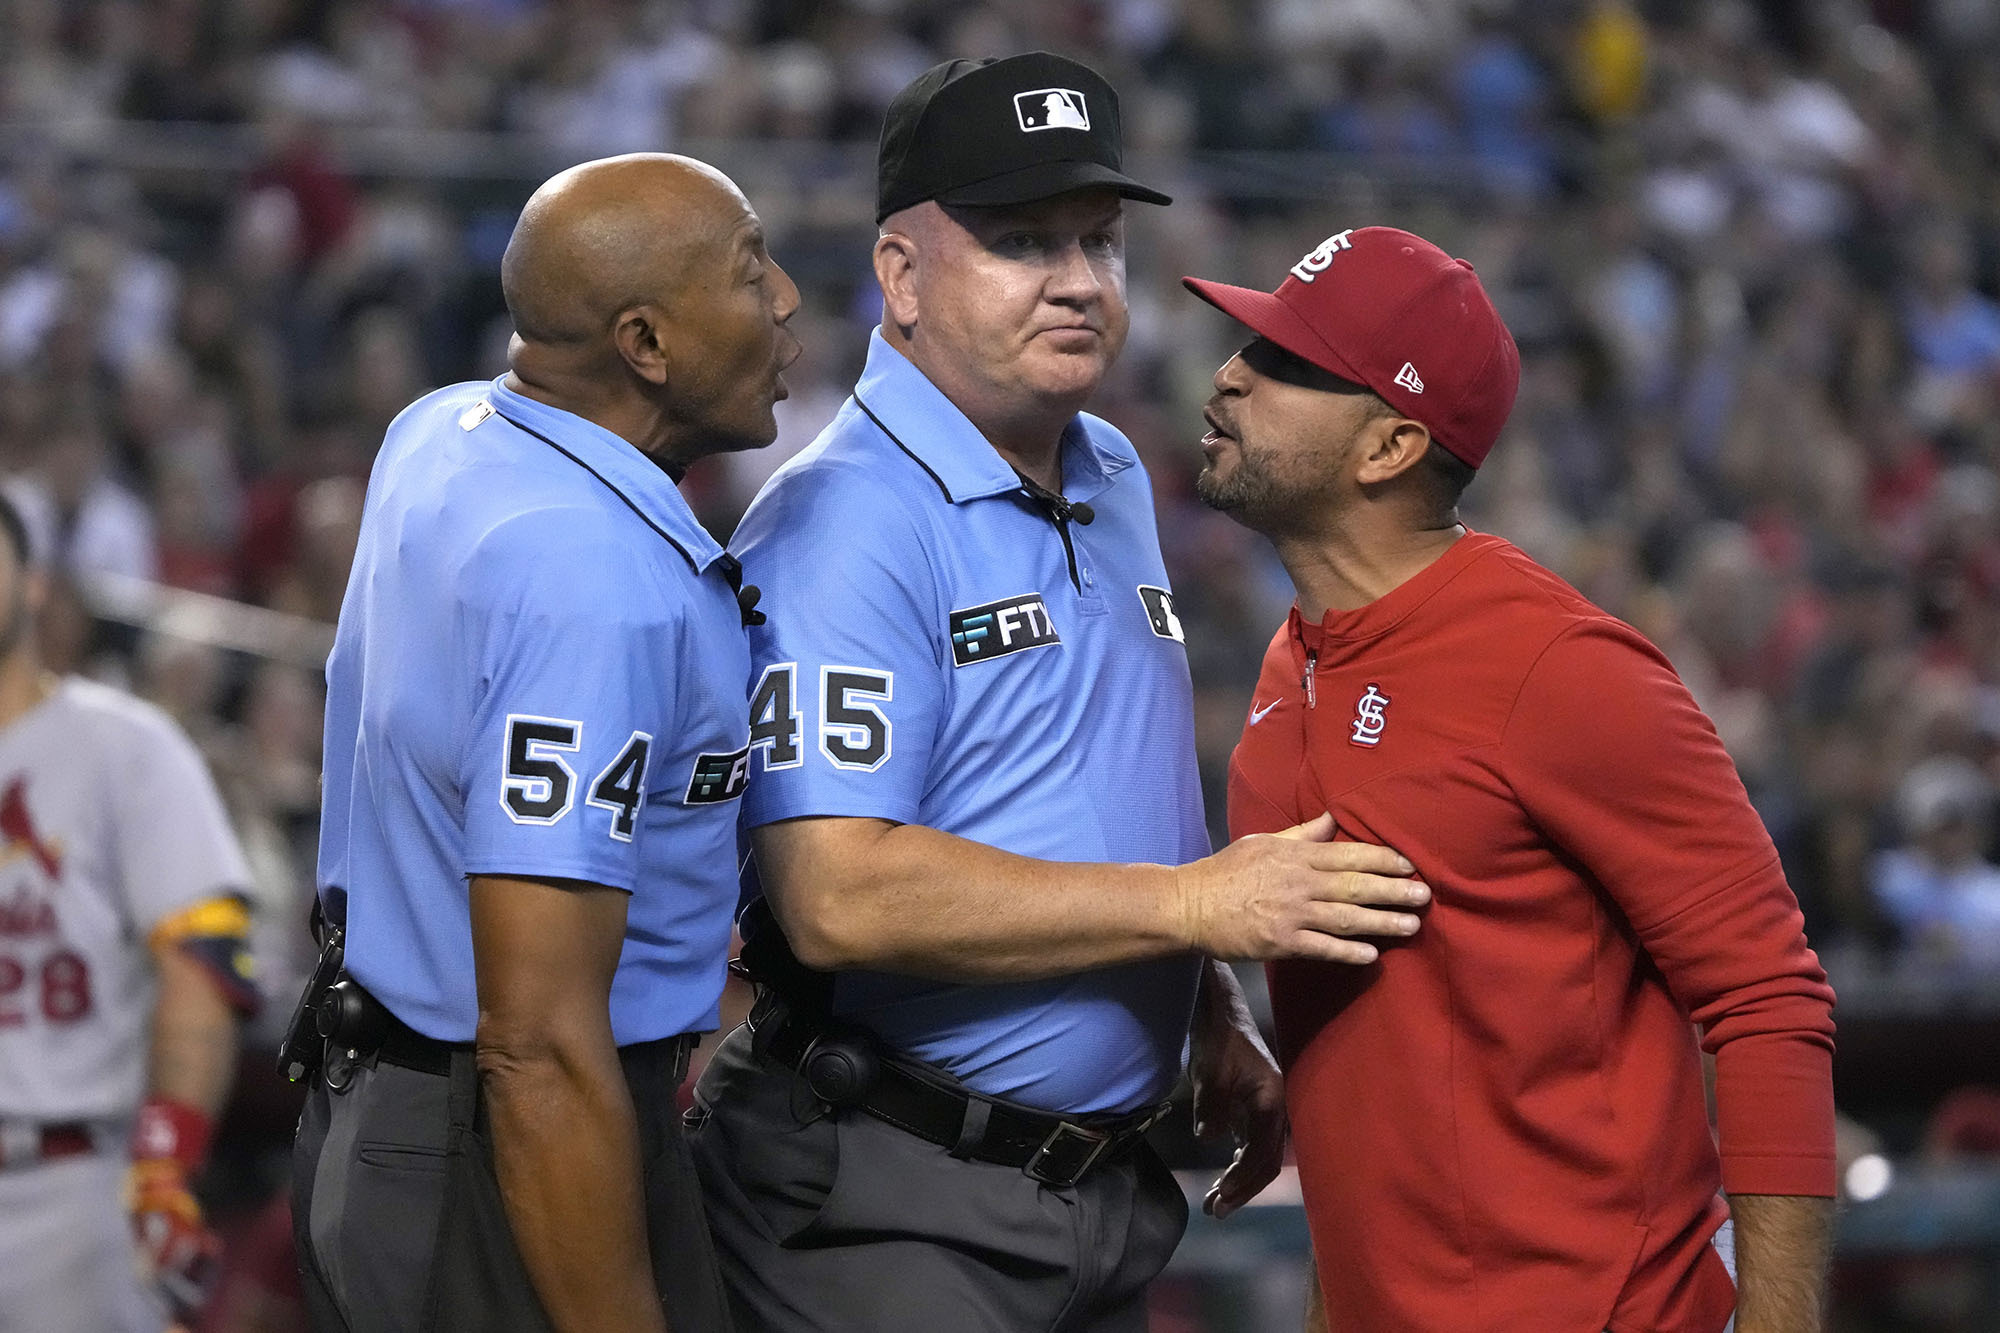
[627, 473]
[916, 416]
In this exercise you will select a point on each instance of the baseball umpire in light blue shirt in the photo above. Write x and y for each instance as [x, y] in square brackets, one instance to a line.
[535, 747]
[973, 806]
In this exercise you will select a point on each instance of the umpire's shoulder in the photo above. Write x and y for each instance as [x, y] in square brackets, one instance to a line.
[567, 558]
[852, 487]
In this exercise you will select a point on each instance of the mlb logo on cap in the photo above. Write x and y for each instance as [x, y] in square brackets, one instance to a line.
[1051, 109]
[944, 136]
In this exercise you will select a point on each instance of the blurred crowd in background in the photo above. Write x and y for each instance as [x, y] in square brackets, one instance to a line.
[1751, 253]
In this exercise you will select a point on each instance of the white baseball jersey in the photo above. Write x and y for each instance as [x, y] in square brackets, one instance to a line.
[109, 824]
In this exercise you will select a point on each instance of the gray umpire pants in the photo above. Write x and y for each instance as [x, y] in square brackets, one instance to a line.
[381, 1229]
[844, 1224]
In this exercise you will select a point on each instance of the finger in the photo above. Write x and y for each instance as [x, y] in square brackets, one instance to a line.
[1347, 919]
[1362, 857]
[1205, 1118]
[1317, 947]
[1255, 1166]
[1349, 886]
[1259, 1160]
[1317, 829]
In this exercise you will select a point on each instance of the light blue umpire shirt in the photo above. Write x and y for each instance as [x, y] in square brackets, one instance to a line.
[943, 649]
[540, 670]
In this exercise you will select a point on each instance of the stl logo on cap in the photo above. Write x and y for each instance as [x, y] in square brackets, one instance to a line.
[1317, 258]
[1051, 109]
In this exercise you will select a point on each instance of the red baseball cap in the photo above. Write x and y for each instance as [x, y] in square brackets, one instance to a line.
[1390, 310]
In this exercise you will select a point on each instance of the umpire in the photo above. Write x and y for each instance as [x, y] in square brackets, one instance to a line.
[535, 742]
[977, 799]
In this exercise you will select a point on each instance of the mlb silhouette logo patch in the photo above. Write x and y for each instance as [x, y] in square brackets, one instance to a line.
[1159, 605]
[1051, 109]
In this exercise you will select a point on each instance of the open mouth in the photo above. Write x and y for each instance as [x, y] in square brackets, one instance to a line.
[1217, 432]
[781, 390]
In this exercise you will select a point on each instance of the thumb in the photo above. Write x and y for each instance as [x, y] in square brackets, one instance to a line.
[1320, 828]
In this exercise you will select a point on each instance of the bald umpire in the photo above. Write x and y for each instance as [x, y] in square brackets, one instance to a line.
[976, 813]
[535, 744]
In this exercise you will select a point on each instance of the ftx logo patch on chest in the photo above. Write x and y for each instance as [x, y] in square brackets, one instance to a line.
[1051, 109]
[1012, 625]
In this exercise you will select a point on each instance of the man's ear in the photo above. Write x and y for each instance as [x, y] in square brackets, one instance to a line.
[1393, 446]
[637, 334]
[896, 272]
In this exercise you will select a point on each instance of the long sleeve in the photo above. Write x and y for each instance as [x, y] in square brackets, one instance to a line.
[1612, 758]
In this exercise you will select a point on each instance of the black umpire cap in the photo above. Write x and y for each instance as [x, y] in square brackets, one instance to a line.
[1005, 131]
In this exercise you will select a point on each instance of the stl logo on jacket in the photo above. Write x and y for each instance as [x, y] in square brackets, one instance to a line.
[1370, 716]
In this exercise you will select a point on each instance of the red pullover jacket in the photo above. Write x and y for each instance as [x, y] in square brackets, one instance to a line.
[1500, 1124]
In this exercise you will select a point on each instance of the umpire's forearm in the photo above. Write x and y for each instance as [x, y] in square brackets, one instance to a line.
[904, 898]
[1783, 1242]
[566, 1151]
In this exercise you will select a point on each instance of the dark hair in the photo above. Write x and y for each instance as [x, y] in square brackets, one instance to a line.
[16, 530]
[1446, 474]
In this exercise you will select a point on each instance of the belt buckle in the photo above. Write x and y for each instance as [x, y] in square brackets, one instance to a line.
[1037, 1168]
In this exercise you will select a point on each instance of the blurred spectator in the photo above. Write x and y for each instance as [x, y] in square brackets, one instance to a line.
[80, 518]
[1938, 887]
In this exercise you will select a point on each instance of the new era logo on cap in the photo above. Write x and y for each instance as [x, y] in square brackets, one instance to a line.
[1409, 379]
[1051, 109]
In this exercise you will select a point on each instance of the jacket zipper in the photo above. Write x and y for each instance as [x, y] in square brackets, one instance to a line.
[1312, 664]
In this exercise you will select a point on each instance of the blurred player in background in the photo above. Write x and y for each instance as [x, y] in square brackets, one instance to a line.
[123, 971]
[1501, 1126]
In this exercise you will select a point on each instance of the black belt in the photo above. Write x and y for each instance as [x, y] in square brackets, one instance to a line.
[1053, 1149]
[405, 1046]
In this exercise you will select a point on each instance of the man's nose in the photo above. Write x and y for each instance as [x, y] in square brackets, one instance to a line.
[787, 303]
[1232, 377]
[1075, 277]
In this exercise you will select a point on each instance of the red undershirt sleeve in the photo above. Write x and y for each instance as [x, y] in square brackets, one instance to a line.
[1624, 773]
